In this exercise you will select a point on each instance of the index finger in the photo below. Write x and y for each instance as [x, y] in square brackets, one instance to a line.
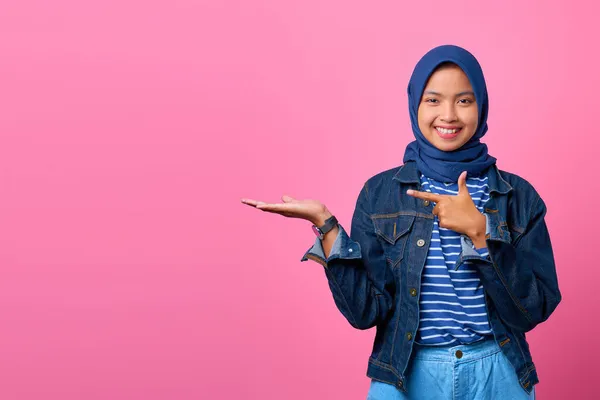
[424, 195]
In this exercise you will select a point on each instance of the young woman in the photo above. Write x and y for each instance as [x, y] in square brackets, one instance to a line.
[448, 256]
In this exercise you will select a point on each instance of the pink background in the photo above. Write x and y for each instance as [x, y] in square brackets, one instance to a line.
[130, 130]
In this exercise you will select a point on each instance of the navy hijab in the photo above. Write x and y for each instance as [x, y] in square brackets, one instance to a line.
[446, 166]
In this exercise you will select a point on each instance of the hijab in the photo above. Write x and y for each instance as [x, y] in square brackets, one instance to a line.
[473, 157]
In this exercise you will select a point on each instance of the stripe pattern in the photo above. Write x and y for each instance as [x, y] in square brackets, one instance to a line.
[452, 304]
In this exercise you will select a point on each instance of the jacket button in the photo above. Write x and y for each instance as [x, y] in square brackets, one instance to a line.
[459, 354]
[409, 336]
[413, 292]
[426, 203]
[420, 243]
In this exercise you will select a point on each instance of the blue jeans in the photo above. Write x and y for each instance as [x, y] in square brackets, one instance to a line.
[477, 371]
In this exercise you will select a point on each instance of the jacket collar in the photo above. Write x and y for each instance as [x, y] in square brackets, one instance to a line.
[408, 173]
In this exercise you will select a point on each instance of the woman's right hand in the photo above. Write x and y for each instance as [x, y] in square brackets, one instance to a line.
[310, 210]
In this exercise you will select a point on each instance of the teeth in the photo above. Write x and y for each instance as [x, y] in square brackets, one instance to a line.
[446, 131]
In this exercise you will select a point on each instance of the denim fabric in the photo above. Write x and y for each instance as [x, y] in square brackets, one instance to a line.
[375, 272]
[437, 373]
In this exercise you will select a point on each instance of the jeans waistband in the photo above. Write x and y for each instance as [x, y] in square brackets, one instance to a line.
[450, 353]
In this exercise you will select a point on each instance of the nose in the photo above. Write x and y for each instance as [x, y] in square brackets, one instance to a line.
[448, 113]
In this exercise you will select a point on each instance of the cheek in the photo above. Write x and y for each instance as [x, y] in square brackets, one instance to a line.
[470, 118]
[425, 117]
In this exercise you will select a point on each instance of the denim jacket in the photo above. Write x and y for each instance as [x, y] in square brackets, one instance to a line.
[375, 272]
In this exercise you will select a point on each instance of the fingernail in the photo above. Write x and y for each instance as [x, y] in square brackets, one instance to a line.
[409, 191]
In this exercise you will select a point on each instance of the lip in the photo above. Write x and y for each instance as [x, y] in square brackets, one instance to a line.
[448, 136]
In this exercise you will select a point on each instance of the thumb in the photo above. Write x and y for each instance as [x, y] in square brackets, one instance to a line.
[287, 199]
[462, 184]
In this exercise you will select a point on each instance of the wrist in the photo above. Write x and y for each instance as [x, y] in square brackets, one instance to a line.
[320, 219]
[479, 241]
[477, 234]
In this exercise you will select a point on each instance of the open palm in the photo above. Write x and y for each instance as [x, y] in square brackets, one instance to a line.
[310, 210]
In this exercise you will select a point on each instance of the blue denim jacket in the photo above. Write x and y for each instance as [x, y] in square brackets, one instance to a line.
[375, 273]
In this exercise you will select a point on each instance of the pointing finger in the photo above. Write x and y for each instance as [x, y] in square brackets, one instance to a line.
[436, 198]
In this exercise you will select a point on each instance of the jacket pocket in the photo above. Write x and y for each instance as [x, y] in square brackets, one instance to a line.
[393, 231]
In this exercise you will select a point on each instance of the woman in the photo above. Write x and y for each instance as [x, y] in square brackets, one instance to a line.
[448, 256]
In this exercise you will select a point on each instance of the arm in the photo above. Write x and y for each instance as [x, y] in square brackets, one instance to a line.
[357, 270]
[520, 278]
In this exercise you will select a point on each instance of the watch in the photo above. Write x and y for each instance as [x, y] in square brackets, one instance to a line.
[329, 224]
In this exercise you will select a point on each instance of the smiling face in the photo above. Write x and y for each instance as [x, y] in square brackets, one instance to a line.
[448, 112]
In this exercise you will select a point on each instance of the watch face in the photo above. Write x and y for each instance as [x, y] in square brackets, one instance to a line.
[317, 231]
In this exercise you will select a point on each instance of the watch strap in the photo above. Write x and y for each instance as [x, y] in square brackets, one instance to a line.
[329, 224]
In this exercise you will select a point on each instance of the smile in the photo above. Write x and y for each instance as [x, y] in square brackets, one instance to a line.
[446, 133]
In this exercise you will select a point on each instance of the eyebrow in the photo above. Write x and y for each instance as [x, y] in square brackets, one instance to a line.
[457, 95]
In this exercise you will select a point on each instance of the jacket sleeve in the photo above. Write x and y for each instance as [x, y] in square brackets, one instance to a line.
[520, 278]
[356, 269]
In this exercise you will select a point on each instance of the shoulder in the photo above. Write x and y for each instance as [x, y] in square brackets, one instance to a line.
[381, 181]
[517, 182]
[384, 176]
[523, 191]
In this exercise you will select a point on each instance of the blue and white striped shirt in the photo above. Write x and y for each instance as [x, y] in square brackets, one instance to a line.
[452, 304]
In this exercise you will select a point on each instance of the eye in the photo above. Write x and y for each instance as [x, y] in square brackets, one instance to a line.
[465, 101]
[431, 100]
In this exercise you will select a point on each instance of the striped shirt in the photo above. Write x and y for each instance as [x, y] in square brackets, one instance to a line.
[452, 304]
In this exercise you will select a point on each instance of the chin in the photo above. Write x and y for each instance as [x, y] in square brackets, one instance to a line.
[450, 146]
[447, 146]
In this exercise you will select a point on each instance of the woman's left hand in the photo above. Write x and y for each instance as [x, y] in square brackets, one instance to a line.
[457, 213]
